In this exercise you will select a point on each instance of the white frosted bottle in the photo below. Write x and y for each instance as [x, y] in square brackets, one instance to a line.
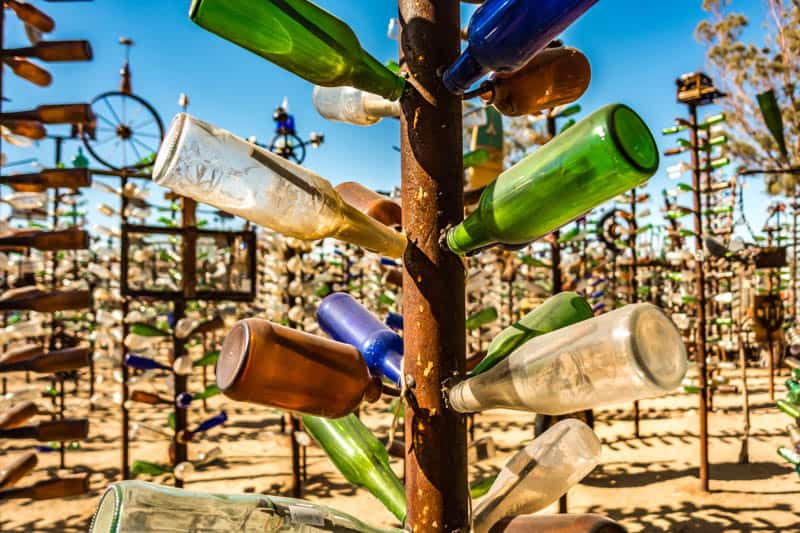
[214, 166]
[539, 474]
[628, 354]
[353, 106]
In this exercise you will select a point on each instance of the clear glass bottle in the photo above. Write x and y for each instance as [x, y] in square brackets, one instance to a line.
[136, 506]
[627, 354]
[539, 474]
[353, 106]
[216, 167]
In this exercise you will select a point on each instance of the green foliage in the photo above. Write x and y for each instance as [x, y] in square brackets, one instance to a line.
[744, 70]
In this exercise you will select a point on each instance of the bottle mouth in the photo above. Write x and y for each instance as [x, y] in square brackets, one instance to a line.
[233, 355]
[658, 347]
[106, 518]
[634, 139]
[167, 153]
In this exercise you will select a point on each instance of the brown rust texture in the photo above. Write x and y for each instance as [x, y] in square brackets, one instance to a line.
[433, 282]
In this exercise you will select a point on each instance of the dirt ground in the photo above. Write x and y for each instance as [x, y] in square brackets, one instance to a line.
[648, 483]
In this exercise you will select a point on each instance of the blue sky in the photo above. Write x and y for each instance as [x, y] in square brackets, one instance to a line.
[636, 48]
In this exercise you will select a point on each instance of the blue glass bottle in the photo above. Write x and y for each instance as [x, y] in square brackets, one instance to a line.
[394, 321]
[504, 35]
[144, 363]
[345, 320]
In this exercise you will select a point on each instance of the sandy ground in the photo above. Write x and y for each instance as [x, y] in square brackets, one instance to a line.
[648, 483]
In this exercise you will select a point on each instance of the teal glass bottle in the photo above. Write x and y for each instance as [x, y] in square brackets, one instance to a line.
[556, 312]
[360, 457]
[300, 37]
[603, 155]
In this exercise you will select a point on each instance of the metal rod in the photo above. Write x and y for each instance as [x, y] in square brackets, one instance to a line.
[125, 469]
[700, 287]
[634, 286]
[433, 277]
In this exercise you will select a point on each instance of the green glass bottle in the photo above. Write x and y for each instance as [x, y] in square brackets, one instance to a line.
[556, 312]
[481, 318]
[146, 330]
[794, 391]
[208, 359]
[300, 37]
[146, 467]
[789, 408]
[360, 457]
[605, 154]
[209, 392]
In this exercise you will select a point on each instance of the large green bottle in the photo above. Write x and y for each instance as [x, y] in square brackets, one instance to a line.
[301, 38]
[556, 312]
[360, 457]
[608, 152]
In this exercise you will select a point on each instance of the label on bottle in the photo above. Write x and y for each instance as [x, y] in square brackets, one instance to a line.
[306, 514]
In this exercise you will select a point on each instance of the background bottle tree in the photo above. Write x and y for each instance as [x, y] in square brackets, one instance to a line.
[745, 70]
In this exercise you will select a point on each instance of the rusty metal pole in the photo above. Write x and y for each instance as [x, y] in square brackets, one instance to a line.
[700, 288]
[555, 246]
[634, 287]
[433, 277]
[125, 467]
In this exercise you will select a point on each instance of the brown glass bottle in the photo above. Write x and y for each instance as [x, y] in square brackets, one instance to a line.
[54, 114]
[559, 523]
[149, 398]
[555, 76]
[32, 129]
[56, 51]
[33, 299]
[17, 469]
[47, 241]
[51, 362]
[51, 178]
[29, 71]
[267, 364]
[50, 488]
[18, 415]
[370, 203]
[30, 15]
[65, 429]
[23, 352]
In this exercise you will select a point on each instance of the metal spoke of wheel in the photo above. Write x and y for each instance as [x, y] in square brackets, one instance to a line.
[138, 155]
[152, 135]
[106, 139]
[104, 119]
[105, 129]
[124, 108]
[108, 105]
[146, 147]
[136, 113]
[143, 124]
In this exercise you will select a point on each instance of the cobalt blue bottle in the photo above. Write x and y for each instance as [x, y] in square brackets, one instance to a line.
[345, 320]
[504, 35]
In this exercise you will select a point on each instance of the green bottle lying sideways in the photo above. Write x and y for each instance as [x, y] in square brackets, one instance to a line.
[136, 506]
[360, 457]
[556, 312]
[608, 152]
[300, 37]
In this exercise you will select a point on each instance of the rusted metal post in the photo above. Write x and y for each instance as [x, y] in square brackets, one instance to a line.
[634, 286]
[433, 277]
[700, 288]
[555, 246]
[125, 468]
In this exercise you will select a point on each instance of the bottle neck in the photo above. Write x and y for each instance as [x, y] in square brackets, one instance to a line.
[472, 234]
[357, 228]
[371, 76]
[381, 107]
[463, 73]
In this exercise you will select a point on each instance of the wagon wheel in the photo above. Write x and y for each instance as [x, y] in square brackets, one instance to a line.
[609, 228]
[289, 146]
[127, 131]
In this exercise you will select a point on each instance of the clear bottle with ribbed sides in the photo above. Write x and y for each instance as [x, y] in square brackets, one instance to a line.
[136, 507]
[631, 353]
[214, 166]
[300, 37]
[603, 155]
